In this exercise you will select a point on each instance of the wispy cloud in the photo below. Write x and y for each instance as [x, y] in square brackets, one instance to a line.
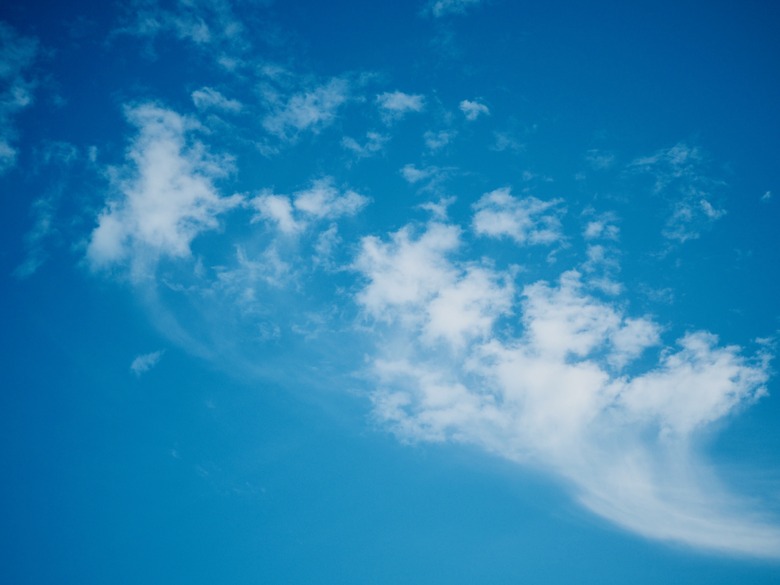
[506, 141]
[426, 178]
[145, 362]
[17, 56]
[679, 175]
[56, 160]
[600, 160]
[439, 8]
[165, 194]
[309, 110]
[210, 25]
[438, 140]
[209, 98]
[374, 144]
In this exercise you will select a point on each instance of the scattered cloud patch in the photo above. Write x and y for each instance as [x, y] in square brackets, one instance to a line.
[210, 25]
[395, 105]
[164, 194]
[766, 196]
[679, 175]
[374, 144]
[603, 226]
[526, 221]
[321, 201]
[145, 362]
[309, 110]
[208, 98]
[412, 174]
[472, 109]
[437, 140]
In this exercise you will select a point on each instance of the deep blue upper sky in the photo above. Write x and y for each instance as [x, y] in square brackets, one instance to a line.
[367, 292]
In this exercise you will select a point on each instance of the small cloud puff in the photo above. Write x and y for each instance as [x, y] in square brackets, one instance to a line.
[526, 221]
[396, 104]
[473, 109]
[438, 140]
[412, 174]
[321, 201]
[145, 362]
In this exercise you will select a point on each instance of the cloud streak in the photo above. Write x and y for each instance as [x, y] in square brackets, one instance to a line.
[145, 362]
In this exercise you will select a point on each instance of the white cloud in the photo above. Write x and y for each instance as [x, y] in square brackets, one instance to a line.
[277, 209]
[438, 209]
[411, 279]
[406, 271]
[766, 196]
[165, 194]
[439, 8]
[602, 227]
[321, 201]
[309, 110]
[414, 175]
[472, 110]
[396, 104]
[209, 98]
[555, 390]
[526, 221]
[143, 363]
[692, 387]
[17, 56]
[324, 201]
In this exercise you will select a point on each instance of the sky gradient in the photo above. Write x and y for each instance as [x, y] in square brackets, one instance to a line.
[417, 292]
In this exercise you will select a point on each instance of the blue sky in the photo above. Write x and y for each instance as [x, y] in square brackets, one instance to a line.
[417, 292]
